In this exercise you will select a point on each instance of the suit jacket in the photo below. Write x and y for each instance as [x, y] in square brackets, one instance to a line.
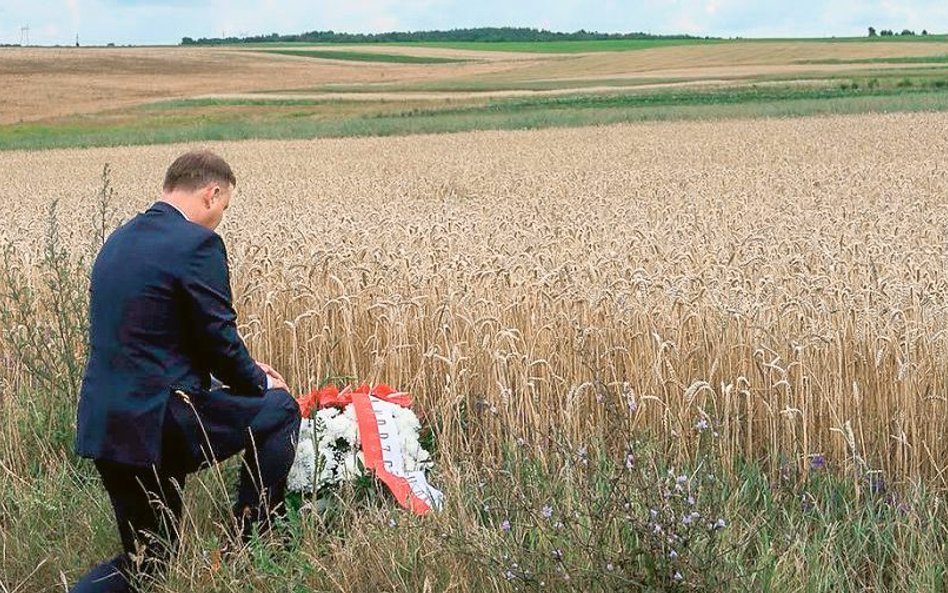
[160, 319]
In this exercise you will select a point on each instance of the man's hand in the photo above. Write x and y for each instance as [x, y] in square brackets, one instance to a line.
[276, 379]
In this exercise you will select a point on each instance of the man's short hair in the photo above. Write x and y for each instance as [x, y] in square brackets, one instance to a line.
[196, 169]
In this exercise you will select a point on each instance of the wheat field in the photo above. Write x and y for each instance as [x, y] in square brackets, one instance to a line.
[783, 280]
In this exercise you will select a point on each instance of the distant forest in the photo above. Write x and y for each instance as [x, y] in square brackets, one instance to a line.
[495, 34]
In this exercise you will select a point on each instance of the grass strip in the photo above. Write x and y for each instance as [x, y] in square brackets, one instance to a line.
[357, 56]
[566, 47]
[686, 97]
[941, 59]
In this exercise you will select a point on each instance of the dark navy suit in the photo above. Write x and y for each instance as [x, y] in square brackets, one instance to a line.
[161, 322]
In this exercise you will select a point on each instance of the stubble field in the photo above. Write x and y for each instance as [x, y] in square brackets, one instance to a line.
[761, 301]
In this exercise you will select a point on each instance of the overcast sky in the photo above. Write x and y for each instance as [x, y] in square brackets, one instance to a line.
[167, 21]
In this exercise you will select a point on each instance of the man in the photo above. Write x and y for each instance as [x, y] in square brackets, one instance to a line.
[161, 322]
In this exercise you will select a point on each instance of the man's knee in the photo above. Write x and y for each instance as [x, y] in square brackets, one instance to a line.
[281, 401]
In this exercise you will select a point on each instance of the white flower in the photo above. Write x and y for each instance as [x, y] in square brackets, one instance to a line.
[330, 451]
[304, 466]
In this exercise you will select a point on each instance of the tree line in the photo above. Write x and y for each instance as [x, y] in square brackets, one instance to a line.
[891, 33]
[481, 34]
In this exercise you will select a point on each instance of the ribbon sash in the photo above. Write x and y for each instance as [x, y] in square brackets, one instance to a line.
[330, 397]
[383, 455]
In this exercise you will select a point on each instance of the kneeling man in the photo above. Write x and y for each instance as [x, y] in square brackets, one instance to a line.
[161, 323]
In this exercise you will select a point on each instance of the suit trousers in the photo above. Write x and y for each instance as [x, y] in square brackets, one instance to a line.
[199, 431]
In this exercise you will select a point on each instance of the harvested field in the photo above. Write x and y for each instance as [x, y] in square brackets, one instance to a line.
[41, 84]
[744, 59]
[784, 280]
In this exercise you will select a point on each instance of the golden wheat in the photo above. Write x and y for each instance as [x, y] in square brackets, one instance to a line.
[785, 280]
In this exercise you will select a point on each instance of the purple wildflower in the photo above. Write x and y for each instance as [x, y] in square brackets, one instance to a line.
[701, 425]
[547, 511]
[505, 525]
[690, 517]
[817, 462]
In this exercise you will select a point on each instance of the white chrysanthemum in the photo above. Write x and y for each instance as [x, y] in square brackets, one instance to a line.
[304, 466]
[336, 428]
[330, 451]
[407, 422]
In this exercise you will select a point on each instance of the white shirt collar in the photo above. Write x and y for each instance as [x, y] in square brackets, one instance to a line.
[179, 211]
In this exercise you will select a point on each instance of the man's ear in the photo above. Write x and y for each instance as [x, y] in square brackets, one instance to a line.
[209, 193]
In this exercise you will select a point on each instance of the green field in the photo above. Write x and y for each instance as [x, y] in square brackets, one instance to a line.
[609, 45]
[238, 119]
[636, 44]
[943, 59]
[566, 47]
[355, 56]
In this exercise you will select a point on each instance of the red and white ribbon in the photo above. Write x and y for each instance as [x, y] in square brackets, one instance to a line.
[383, 455]
[381, 445]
